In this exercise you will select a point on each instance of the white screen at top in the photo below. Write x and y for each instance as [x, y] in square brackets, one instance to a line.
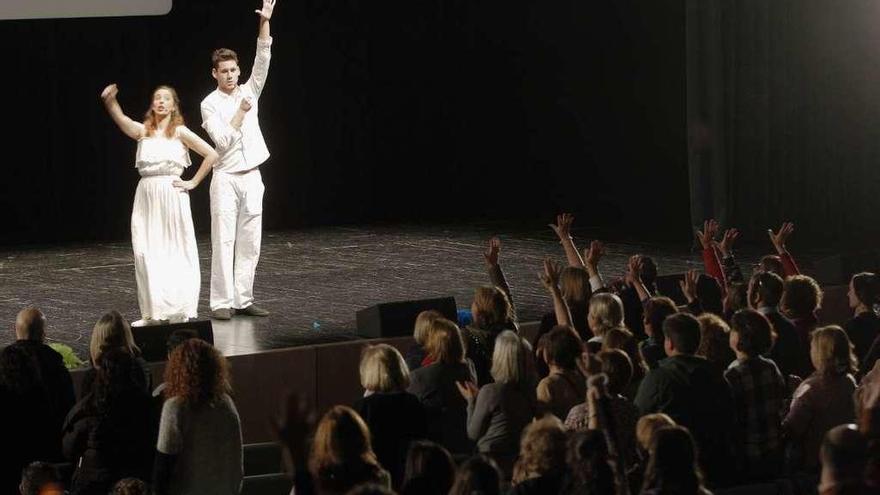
[52, 9]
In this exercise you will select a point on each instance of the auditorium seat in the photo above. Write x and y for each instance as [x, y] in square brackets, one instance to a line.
[262, 458]
[266, 484]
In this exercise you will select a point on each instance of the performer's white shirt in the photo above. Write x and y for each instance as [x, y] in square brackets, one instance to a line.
[242, 149]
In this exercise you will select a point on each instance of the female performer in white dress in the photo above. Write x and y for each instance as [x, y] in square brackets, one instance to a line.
[166, 258]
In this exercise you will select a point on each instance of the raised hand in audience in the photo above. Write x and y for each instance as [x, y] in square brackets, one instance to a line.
[779, 237]
[710, 257]
[292, 428]
[633, 277]
[725, 246]
[492, 251]
[562, 228]
[688, 285]
[707, 235]
[550, 280]
[592, 256]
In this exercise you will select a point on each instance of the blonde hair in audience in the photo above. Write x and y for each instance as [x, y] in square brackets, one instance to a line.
[423, 326]
[606, 311]
[831, 351]
[647, 425]
[542, 449]
[445, 344]
[383, 369]
[492, 308]
[341, 438]
[111, 331]
[510, 359]
[714, 338]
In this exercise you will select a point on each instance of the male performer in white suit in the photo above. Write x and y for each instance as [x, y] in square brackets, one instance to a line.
[229, 115]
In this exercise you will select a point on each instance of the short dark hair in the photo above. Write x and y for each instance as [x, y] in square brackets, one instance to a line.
[866, 286]
[754, 331]
[36, 475]
[619, 369]
[771, 263]
[656, 310]
[563, 347]
[802, 296]
[222, 55]
[768, 286]
[683, 330]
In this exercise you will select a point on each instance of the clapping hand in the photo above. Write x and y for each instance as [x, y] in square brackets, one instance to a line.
[468, 390]
[778, 239]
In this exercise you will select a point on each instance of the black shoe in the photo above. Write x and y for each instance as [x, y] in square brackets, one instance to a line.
[222, 314]
[252, 310]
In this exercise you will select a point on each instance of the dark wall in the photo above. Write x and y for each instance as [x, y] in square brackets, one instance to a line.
[374, 111]
[787, 115]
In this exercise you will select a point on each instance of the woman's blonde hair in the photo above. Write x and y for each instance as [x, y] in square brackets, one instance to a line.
[492, 309]
[574, 284]
[606, 311]
[445, 344]
[151, 123]
[383, 369]
[510, 359]
[715, 339]
[111, 331]
[831, 351]
[424, 323]
[542, 449]
[648, 425]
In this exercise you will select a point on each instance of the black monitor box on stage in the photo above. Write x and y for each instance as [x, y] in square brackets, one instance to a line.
[396, 319]
[153, 339]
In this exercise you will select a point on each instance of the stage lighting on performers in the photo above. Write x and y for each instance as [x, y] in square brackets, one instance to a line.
[54, 9]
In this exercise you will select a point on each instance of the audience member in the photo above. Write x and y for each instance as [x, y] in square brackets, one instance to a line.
[759, 392]
[113, 332]
[672, 468]
[822, 401]
[540, 467]
[693, 392]
[130, 486]
[429, 470]
[394, 416]
[843, 457]
[605, 313]
[800, 300]
[41, 478]
[498, 412]
[657, 309]
[435, 387]
[200, 446]
[109, 434]
[591, 471]
[715, 340]
[417, 352]
[790, 352]
[565, 386]
[864, 327]
[478, 475]
[624, 340]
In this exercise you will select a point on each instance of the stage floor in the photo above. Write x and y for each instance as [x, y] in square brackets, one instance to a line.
[313, 281]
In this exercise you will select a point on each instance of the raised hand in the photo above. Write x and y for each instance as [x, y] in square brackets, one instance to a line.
[688, 285]
[634, 270]
[492, 251]
[266, 11]
[778, 239]
[707, 235]
[550, 276]
[727, 240]
[110, 92]
[293, 427]
[594, 253]
[468, 390]
[562, 227]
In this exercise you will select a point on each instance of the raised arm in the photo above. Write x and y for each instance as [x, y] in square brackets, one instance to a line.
[550, 280]
[264, 53]
[710, 257]
[132, 129]
[778, 239]
[732, 271]
[634, 277]
[197, 144]
[562, 228]
[592, 256]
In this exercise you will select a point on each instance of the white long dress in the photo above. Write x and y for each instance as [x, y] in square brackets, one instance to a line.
[166, 258]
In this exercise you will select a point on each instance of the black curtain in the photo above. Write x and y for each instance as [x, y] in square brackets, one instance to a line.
[784, 117]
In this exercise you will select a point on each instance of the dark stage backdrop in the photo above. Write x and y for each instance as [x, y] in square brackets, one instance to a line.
[375, 111]
[784, 116]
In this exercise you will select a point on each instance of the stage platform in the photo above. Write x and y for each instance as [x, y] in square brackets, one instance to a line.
[313, 281]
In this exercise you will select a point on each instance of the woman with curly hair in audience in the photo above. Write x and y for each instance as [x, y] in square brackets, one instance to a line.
[541, 465]
[394, 416]
[624, 340]
[498, 412]
[715, 340]
[110, 433]
[801, 298]
[565, 386]
[435, 387]
[199, 447]
[342, 455]
[822, 401]
[590, 469]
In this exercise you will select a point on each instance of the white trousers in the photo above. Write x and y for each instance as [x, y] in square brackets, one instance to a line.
[236, 232]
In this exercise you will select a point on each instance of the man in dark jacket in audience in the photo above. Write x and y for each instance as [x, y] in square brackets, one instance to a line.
[764, 294]
[30, 332]
[693, 392]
